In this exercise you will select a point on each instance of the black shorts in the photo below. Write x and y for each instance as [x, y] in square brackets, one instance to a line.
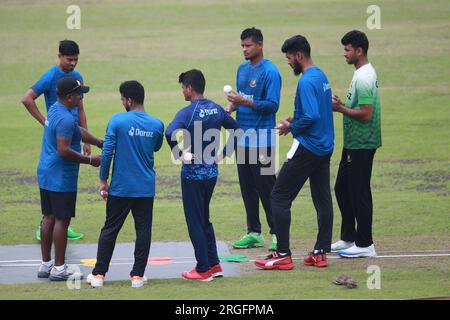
[59, 204]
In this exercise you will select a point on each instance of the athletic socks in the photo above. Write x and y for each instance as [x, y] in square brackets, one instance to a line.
[48, 264]
[60, 268]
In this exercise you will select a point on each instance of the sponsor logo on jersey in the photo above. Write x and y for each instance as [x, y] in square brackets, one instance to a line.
[140, 133]
[207, 112]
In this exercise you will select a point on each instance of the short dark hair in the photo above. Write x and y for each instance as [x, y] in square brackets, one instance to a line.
[357, 39]
[133, 90]
[295, 44]
[68, 48]
[193, 78]
[253, 33]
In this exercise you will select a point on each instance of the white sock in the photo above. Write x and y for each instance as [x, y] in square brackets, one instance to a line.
[48, 264]
[60, 268]
[256, 233]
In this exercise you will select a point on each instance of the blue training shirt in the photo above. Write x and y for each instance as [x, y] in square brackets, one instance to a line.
[262, 84]
[47, 85]
[53, 172]
[131, 138]
[312, 125]
[204, 114]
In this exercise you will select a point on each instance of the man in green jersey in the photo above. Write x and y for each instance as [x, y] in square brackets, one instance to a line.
[362, 137]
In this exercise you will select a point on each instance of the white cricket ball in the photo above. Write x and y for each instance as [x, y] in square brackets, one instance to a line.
[227, 89]
[187, 157]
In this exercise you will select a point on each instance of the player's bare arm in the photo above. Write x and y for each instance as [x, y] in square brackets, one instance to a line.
[82, 120]
[364, 113]
[68, 154]
[237, 99]
[90, 139]
[29, 102]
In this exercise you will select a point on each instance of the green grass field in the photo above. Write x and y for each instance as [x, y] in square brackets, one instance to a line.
[153, 42]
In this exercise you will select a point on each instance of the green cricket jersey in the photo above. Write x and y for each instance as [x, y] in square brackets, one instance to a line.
[363, 90]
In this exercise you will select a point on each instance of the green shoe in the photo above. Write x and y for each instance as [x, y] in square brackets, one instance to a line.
[250, 240]
[72, 235]
[38, 233]
[234, 258]
[274, 243]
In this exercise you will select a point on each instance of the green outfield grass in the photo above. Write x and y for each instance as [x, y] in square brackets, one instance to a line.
[153, 42]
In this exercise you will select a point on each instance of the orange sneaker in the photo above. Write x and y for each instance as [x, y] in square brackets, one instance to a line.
[95, 281]
[137, 282]
[318, 260]
[216, 271]
[195, 275]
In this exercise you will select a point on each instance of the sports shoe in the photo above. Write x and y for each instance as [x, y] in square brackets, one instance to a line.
[216, 271]
[95, 281]
[137, 282]
[250, 240]
[64, 275]
[318, 259]
[71, 235]
[44, 271]
[357, 252]
[195, 275]
[275, 261]
[341, 245]
[274, 243]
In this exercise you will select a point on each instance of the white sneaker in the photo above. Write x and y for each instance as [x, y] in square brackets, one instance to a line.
[69, 272]
[137, 282]
[95, 281]
[44, 271]
[341, 245]
[356, 252]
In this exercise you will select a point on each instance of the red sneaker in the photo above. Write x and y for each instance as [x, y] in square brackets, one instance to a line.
[318, 260]
[275, 261]
[216, 271]
[194, 275]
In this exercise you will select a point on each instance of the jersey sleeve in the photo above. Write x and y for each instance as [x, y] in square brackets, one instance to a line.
[310, 109]
[271, 101]
[109, 145]
[364, 91]
[65, 127]
[43, 84]
[179, 122]
[160, 137]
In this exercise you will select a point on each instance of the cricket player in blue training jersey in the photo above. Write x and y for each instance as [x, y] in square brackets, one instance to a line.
[68, 59]
[57, 175]
[309, 158]
[198, 178]
[132, 138]
[256, 102]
